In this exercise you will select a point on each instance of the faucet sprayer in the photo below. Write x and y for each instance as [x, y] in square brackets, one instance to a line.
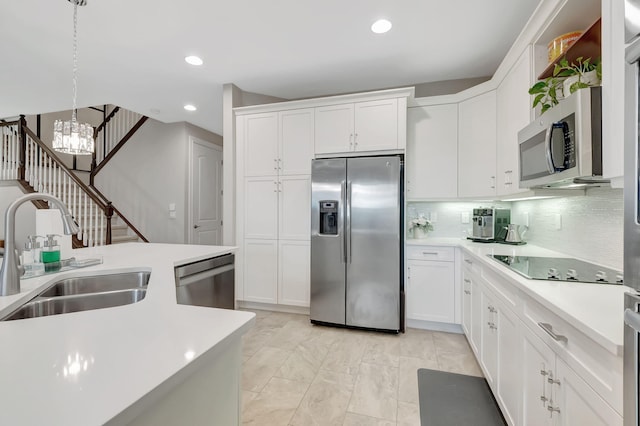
[10, 272]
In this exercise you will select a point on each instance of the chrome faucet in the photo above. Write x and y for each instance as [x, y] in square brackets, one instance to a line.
[10, 272]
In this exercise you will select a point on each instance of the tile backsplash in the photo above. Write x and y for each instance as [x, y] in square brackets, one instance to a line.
[590, 226]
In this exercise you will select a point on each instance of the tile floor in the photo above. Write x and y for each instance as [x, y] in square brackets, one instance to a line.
[299, 374]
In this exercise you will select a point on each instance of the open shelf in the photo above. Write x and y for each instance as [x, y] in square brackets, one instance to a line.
[587, 46]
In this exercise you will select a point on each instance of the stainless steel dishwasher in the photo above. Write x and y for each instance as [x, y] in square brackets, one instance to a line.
[209, 282]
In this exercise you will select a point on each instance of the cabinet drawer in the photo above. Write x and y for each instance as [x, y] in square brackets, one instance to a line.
[470, 264]
[446, 254]
[601, 369]
[507, 290]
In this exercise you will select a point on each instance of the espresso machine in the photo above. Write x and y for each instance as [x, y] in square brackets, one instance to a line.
[489, 224]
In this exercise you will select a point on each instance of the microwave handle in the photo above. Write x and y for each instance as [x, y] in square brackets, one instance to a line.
[547, 148]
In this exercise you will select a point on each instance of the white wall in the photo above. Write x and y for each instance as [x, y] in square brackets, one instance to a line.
[149, 173]
[591, 225]
[25, 215]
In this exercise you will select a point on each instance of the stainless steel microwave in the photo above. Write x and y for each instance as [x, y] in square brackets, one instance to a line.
[564, 145]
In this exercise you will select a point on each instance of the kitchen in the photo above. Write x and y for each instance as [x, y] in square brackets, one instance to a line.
[553, 223]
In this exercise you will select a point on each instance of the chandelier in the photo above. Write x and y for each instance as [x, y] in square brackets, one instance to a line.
[71, 137]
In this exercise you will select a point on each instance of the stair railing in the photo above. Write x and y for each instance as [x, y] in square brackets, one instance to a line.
[117, 128]
[45, 172]
[10, 150]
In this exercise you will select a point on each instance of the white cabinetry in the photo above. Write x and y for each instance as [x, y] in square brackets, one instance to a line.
[553, 394]
[275, 199]
[542, 371]
[513, 114]
[430, 289]
[361, 126]
[477, 146]
[432, 152]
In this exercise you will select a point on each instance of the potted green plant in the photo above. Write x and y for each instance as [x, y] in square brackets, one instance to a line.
[547, 92]
[565, 80]
[579, 74]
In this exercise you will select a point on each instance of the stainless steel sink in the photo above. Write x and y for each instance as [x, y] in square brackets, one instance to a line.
[41, 307]
[84, 294]
[98, 283]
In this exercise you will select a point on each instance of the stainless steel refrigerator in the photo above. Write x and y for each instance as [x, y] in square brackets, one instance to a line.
[356, 242]
[632, 217]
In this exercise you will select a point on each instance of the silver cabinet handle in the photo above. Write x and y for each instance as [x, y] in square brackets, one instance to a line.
[553, 381]
[432, 253]
[492, 326]
[467, 292]
[275, 164]
[196, 226]
[467, 280]
[552, 409]
[468, 261]
[548, 328]
[492, 309]
[493, 181]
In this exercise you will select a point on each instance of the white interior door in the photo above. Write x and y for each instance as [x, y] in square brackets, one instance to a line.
[205, 193]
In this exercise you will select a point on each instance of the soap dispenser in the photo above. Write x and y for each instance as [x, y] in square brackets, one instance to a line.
[50, 254]
[31, 256]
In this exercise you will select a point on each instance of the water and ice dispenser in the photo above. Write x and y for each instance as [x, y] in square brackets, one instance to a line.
[328, 217]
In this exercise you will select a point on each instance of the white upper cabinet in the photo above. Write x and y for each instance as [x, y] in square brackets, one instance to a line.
[334, 128]
[361, 126]
[432, 152]
[296, 141]
[261, 144]
[477, 146]
[513, 113]
[376, 125]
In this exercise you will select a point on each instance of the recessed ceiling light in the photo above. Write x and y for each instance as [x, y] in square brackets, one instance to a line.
[381, 26]
[193, 60]
[190, 107]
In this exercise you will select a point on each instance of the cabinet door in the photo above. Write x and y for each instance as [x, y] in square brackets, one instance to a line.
[513, 113]
[294, 258]
[537, 362]
[296, 142]
[466, 306]
[294, 207]
[261, 144]
[334, 129]
[432, 152]
[509, 379]
[578, 403]
[261, 271]
[430, 291]
[261, 207]
[477, 146]
[489, 345]
[376, 125]
[476, 317]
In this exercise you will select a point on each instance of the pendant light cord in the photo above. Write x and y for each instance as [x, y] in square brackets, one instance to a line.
[75, 60]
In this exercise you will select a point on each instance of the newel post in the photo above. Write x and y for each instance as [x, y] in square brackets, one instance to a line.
[23, 147]
[109, 213]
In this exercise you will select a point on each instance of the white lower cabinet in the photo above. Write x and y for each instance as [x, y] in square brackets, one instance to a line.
[553, 394]
[277, 272]
[293, 272]
[430, 289]
[537, 379]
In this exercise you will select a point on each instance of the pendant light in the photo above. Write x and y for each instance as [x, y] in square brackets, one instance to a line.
[71, 137]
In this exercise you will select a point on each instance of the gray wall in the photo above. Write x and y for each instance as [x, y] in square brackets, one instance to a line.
[149, 173]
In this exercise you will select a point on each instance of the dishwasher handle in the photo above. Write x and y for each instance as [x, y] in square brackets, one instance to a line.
[196, 278]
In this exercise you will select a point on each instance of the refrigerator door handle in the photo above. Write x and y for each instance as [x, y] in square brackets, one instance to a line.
[632, 319]
[341, 230]
[347, 231]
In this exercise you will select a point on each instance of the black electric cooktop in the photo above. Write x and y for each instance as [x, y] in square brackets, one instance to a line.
[559, 269]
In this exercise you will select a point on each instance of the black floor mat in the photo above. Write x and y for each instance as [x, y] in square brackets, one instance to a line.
[450, 399]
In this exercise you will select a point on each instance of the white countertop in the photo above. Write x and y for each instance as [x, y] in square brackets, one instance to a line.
[595, 309]
[87, 367]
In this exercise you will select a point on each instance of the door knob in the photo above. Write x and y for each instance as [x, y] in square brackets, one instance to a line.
[196, 226]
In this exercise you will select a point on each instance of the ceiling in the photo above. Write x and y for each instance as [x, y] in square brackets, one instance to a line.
[131, 53]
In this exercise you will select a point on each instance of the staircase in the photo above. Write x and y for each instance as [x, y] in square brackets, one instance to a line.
[25, 158]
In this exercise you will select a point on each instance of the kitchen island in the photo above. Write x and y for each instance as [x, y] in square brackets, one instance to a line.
[150, 362]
